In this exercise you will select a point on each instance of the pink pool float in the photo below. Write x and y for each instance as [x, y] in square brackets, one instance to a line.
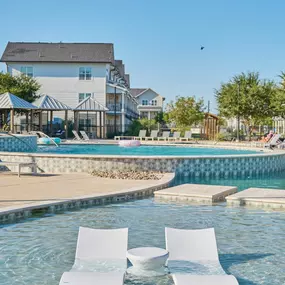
[129, 143]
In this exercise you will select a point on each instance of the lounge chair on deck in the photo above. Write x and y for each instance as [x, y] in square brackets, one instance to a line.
[165, 136]
[141, 136]
[195, 253]
[187, 136]
[153, 135]
[274, 141]
[84, 135]
[76, 136]
[100, 257]
[176, 136]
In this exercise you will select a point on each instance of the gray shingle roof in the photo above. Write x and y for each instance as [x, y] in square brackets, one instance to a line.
[120, 66]
[47, 102]
[58, 52]
[127, 77]
[137, 91]
[11, 101]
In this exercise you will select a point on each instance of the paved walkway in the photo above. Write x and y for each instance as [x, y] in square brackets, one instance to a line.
[29, 190]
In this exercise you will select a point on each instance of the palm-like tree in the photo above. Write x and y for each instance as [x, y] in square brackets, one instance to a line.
[282, 76]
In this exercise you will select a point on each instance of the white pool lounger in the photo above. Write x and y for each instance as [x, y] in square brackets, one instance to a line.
[92, 278]
[187, 279]
[195, 253]
[100, 258]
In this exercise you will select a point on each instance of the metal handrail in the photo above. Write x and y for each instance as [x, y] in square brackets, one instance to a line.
[44, 135]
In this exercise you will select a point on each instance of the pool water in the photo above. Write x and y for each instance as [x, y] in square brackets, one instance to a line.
[100, 149]
[251, 242]
[274, 180]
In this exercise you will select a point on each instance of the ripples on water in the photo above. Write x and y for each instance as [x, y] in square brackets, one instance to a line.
[251, 243]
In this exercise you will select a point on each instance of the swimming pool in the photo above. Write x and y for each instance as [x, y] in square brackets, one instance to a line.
[250, 242]
[150, 150]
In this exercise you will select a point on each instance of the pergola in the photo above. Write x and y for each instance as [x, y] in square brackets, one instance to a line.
[50, 105]
[11, 103]
[90, 105]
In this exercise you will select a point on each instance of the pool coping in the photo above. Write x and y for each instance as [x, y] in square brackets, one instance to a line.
[14, 213]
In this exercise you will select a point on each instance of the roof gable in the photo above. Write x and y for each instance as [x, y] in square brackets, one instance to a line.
[11, 101]
[47, 102]
[90, 104]
[137, 91]
[58, 52]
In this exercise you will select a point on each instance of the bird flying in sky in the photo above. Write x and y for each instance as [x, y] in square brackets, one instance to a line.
[202, 47]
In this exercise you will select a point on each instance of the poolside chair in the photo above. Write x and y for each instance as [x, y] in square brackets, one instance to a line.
[165, 136]
[187, 279]
[84, 135]
[176, 136]
[153, 135]
[194, 252]
[141, 135]
[98, 251]
[274, 141]
[76, 135]
[187, 136]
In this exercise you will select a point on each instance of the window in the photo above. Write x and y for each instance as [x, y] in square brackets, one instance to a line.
[83, 96]
[144, 102]
[154, 102]
[85, 73]
[27, 70]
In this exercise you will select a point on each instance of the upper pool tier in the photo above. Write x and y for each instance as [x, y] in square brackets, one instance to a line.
[141, 151]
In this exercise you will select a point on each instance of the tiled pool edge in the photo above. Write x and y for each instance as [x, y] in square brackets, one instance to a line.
[13, 214]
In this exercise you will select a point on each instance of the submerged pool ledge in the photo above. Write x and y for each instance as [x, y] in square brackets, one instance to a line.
[196, 166]
[14, 213]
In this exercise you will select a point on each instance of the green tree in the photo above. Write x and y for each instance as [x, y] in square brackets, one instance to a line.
[185, 112]
[23, 86]
[246, 97]
[147, 124]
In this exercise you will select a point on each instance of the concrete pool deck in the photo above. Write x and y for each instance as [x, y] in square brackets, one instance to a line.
[20, 196]
[258, 197]
[196, 193]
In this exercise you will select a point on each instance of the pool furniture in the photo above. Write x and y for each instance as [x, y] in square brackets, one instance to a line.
[84, 135]
[187, 279]
[187, 136]
[92, 278]
[148, 258]
[98, 250]
[141, 136]
[32, 165]
[123, 137]
[44, 140]
[274, 141]
[153, 135]
[195, 252]
[176, 136]
[76, 135]
[165, 136]
[129, 143]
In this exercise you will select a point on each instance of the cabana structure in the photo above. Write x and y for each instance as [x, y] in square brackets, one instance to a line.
[9, 104]
[90, 116]
[210, 129]
[49, 104]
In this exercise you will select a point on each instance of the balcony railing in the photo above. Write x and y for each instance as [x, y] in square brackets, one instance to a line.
[113, 107]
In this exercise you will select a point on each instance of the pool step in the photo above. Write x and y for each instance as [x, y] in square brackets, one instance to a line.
[197, 193]
[258, 197]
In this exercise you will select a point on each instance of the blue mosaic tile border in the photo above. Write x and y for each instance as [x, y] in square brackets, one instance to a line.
[23, 144]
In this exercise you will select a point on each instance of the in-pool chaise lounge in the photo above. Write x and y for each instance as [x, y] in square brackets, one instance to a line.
[98, 251]
[165, 136]
[153, 135]
[187, 279]
[141, 136]
[194, 252]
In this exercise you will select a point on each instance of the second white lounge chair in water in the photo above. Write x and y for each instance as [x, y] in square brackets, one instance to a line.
[195, 253]
[100, 258]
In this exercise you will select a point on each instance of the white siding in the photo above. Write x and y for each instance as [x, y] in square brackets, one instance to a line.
[61, 80]
[151, 95]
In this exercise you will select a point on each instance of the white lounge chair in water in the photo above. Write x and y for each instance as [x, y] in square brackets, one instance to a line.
[176, 136]
[97, 252]
[165, 136]
[195, 253]
[153, 135]
[84, 135]
[141, 136]
[76, 135]
[187, 136]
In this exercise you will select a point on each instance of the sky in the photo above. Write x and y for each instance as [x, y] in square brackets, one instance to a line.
[159, 40]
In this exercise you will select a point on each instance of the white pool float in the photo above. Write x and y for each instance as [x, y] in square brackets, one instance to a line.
[129, 143]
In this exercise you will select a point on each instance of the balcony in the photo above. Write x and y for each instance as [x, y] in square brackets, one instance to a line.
[113, 107]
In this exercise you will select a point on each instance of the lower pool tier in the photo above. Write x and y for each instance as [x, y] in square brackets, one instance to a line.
[250, 242]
